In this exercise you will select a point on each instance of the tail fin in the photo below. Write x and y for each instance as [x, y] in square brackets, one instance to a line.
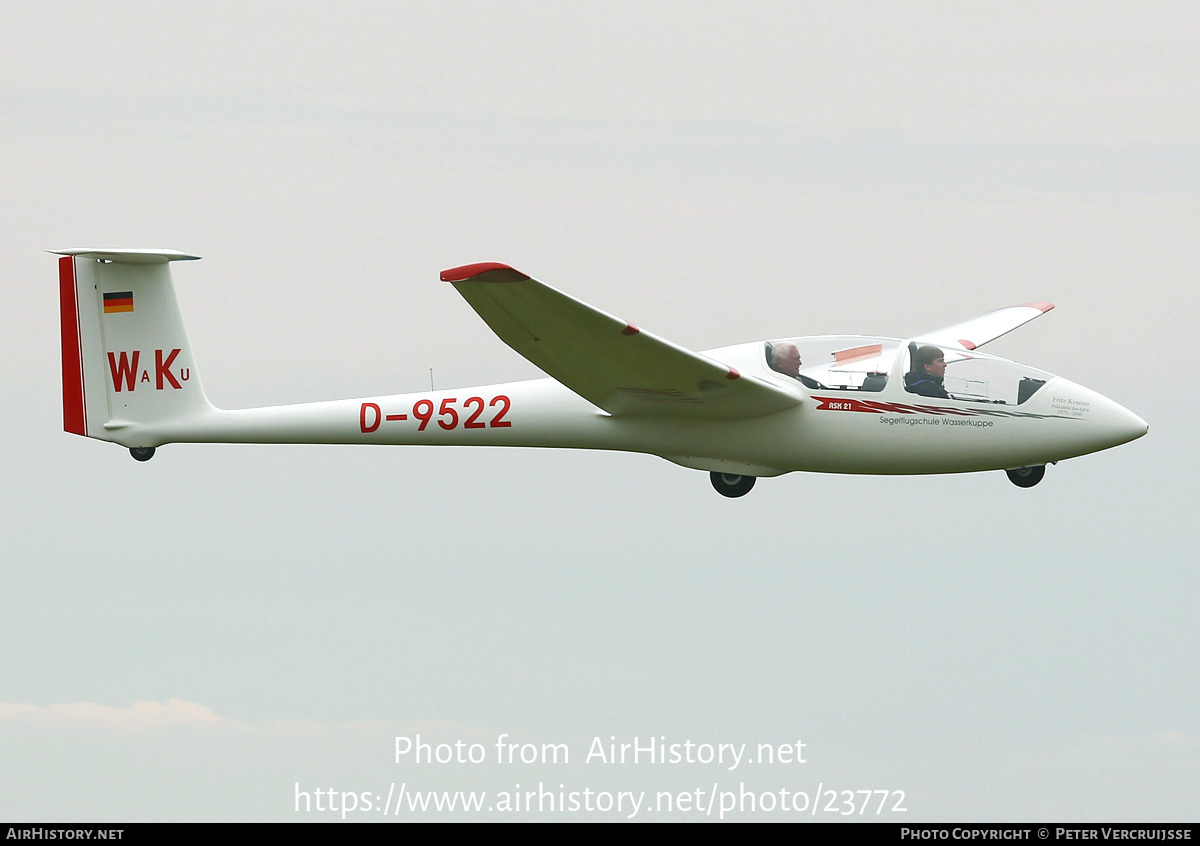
[125, 354]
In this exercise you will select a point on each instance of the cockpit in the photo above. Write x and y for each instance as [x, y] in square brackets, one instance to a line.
[972, 376]
[855, 363]
[835, 362]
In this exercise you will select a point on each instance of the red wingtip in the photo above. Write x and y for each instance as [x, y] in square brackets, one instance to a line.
[468, 271]
[630, 329]
[733, 374]
[967, 345]
[1043, 307]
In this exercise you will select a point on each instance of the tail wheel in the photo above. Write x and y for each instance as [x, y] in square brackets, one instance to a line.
[1026, 477]
[142, 453]
[731, 485]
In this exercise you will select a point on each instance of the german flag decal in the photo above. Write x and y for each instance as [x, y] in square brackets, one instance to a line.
[118, 301]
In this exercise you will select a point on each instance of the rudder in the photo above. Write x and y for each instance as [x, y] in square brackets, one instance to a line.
[126, 360]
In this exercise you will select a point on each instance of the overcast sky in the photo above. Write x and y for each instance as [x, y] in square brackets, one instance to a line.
[188, 639]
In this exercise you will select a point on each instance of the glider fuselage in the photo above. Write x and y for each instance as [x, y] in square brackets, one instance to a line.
[830, 431]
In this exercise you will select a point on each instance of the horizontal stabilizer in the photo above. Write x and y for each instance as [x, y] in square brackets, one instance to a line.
[609, 362]
[128, 256]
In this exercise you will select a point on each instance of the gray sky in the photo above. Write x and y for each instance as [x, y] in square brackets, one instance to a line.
[189, 638]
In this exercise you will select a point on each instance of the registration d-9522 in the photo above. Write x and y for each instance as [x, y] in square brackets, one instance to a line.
[471, 413]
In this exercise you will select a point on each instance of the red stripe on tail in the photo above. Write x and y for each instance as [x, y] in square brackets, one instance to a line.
[74, 415]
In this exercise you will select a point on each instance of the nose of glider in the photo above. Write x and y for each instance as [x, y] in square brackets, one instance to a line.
[1132, 426]
[1103, 423]
[1120, 424]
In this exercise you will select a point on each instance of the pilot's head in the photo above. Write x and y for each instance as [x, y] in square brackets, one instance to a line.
[785, 358]
[930, 361]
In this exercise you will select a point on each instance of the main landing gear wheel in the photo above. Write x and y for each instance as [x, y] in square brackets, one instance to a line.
[728, 484]
[142, 453]
[1026, 477]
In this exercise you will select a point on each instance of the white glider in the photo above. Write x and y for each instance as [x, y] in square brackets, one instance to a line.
[832, 404]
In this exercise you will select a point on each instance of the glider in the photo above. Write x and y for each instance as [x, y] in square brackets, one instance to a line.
[833, 404]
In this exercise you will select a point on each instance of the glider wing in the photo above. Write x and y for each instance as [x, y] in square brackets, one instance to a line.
[978, 331]
[607, 361]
